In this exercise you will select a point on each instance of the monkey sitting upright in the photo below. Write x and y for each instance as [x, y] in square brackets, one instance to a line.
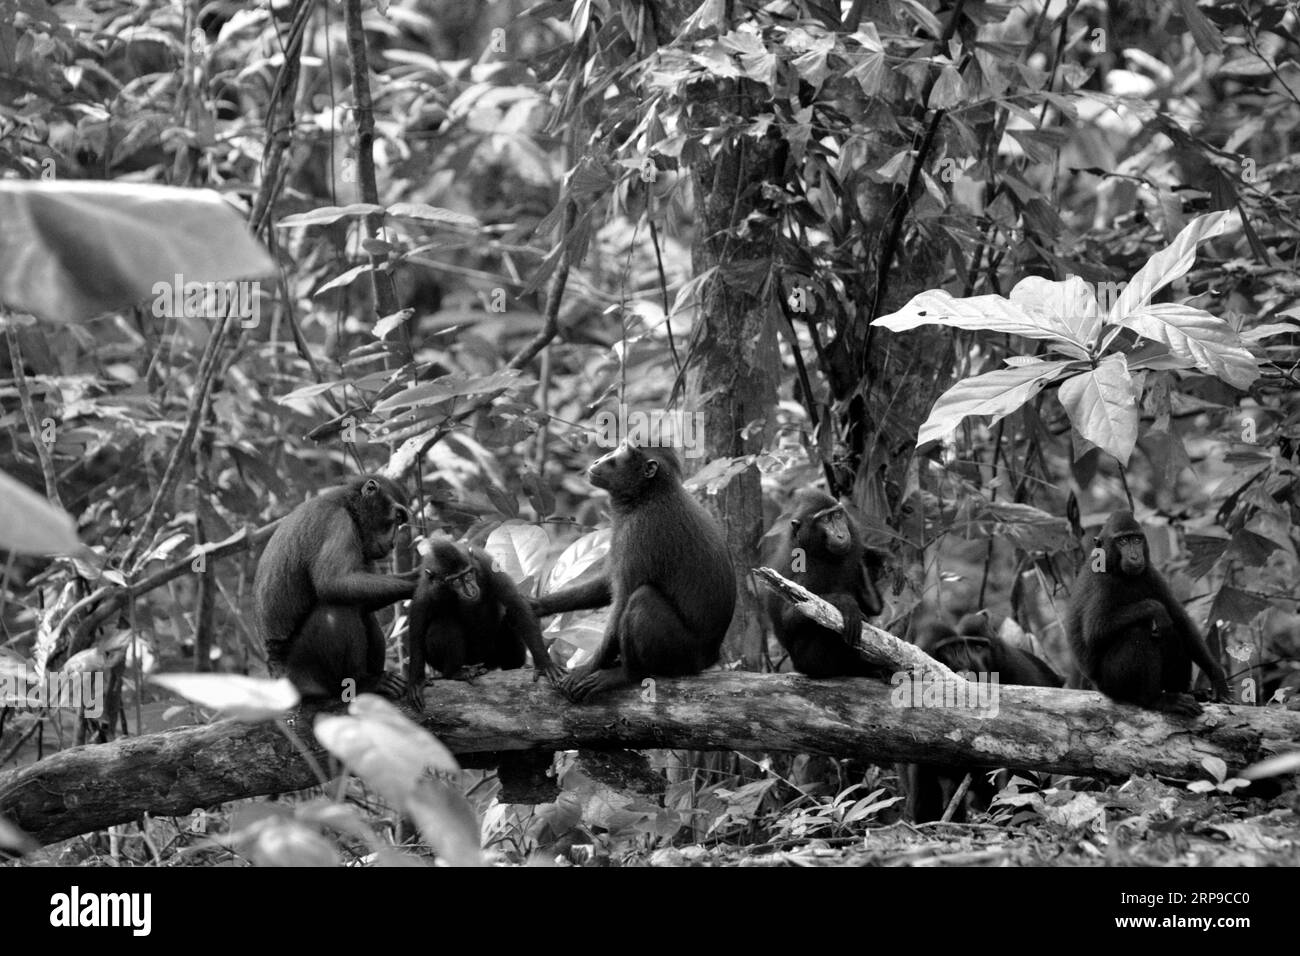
[468, 617]
[822, 550]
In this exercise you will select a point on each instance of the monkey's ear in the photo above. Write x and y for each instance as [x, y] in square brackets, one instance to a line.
[370, 487]
[794, 524]
[651, 468]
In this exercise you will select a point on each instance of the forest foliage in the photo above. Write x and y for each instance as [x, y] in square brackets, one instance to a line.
[1017, 265]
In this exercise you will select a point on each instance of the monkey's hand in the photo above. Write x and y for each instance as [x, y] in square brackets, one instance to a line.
[414, 698]
[392, 686]
[1158, 614]
[849, 610]
[552, 671]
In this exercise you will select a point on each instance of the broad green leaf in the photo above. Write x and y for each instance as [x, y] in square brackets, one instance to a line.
[811, 61]
[870, 72]
[383, 747]
[31, 524]
[994, 394]
[73, 250]
[249, 699]
[1169, 264]
[991, 313]
[447, 821]
[757, 62]
[1070, 305]
[1102, 403]
[519, 548]
[947, 91]
[1193, 334]
[578, 557]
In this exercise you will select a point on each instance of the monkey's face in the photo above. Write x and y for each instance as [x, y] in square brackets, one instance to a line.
[623, 470]
[465, 585]
[1131, 552]
[834, 531]
[380, 515]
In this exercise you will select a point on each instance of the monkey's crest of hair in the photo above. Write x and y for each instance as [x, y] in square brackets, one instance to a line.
[633, 475]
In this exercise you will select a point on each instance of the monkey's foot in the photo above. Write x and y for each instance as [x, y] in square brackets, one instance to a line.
[580, 687]
[1184, 705]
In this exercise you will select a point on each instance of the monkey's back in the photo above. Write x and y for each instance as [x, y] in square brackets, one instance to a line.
[672, 543]
[283, 593]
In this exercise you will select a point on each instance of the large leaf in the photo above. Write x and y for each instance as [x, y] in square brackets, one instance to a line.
[1070, 305]
[578, 558]
[519, 549]
[249, 699]
[1195, 335]
[1168, 264]
[991, 313]
[1102, 404]
[72, 250]
[994, 393]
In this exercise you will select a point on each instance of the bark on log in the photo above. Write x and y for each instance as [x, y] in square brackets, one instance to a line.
[1074, 732]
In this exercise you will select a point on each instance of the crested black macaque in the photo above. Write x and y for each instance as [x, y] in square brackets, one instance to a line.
[315, 595]
[973, 646]
[1130, 637]
[822, 550]
[668, 576]
[468, 616]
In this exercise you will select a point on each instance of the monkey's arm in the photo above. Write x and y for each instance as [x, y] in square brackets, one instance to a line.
[417, 626]
[339, 576]
[1187, 632]
[847, 604]
[518, 618]
[578, 597]
[1148, 609]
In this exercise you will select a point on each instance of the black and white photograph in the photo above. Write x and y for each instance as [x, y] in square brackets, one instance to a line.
[660, 434]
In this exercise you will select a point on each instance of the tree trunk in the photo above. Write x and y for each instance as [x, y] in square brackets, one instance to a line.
[735, 368]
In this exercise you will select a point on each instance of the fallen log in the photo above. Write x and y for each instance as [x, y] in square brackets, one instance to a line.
[1073, 732]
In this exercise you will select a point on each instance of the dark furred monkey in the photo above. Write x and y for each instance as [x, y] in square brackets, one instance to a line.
[668, 576]
[1128, 633]
[467, 616]
[822, 550]
[315, 595]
